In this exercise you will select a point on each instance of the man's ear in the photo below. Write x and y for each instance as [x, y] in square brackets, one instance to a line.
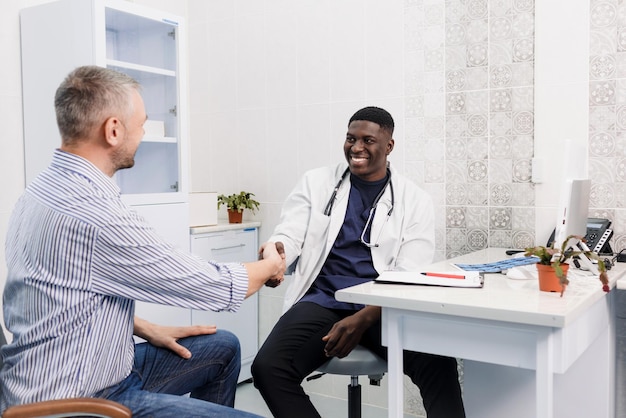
[390, 145]
[113, 131]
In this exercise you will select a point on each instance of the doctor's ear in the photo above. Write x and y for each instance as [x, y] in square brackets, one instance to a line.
[390, 145]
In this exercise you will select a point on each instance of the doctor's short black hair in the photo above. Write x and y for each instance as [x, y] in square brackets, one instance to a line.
[376, 115]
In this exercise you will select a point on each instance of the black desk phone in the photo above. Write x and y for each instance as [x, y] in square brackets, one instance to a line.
[598, 235]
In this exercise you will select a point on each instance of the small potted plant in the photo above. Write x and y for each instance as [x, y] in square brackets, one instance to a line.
[553, 261]
[236, 203]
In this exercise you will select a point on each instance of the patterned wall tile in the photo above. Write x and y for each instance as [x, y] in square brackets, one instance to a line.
[523, 239]
[477, 217]
[434, 127]
[456, 126]
[501, 8]
[477, 78]
[602, 144]
[478, 148]
[523, 74]
[523, 194]
[477, 31]
[455, 217]
[500, 217]
[523, 219]
[501, 171]
[500, 147]
[477, 194]
[602, 118]
[500, 193]
[522, 146]
[456, 150]
[501, 123]
[501, 238]
[602, 67]
[477, 239]
[434, 172]
[433, 150]
[475, 100]
[477, 171]
[602, 93]
[456, 193]
[477, 125]
[523, 122]
[522, 171]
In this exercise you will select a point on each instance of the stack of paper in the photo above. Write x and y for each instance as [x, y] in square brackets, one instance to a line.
[452, 279]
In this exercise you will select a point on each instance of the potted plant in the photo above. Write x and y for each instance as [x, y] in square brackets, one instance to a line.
[554, 260]
[236, 203]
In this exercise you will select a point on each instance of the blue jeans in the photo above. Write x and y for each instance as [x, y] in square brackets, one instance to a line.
[160, 377]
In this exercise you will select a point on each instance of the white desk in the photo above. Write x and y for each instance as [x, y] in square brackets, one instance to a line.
[526, 353]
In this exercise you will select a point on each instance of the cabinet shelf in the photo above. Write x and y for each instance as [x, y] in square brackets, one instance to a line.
[160, 139]
[121, 65]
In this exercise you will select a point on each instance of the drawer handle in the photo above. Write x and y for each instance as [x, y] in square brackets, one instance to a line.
[228, 248]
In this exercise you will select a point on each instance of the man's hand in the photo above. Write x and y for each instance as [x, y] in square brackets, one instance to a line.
[343, 337]
[277, 280]
[167, 337]
[347, 333]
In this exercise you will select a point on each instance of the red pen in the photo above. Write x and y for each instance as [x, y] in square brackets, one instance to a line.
[450, 276]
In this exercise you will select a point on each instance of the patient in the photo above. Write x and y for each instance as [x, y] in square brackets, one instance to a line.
[78, 258]
[346, 224]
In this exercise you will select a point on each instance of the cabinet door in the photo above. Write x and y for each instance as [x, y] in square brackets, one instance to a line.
[146, 44]
[226, 246]
[146, 48]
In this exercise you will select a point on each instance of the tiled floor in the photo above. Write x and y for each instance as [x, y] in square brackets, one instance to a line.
[249, 399]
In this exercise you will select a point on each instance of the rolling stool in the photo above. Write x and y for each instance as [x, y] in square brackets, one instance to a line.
[359, 362]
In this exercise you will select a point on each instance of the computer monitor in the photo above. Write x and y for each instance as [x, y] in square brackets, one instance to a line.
[572, 219]
[573, 210]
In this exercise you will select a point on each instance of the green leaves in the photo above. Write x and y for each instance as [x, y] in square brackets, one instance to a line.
[238, 202]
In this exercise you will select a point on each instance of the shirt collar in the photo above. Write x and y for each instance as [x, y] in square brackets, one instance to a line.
[78, 165]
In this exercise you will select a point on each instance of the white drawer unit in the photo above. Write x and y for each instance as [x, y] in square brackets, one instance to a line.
[226, 243]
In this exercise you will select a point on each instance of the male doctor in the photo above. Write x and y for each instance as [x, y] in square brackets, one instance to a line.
[345, 225]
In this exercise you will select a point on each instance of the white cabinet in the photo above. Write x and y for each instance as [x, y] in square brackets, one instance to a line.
[148, 45]
[144, 43]
[231, 242]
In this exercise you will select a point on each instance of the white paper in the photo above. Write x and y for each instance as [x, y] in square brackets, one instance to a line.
[469, 278]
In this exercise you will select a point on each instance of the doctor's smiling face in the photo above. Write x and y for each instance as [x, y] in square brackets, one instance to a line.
[366, 148]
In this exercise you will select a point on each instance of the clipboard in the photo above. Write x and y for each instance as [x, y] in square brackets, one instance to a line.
[454, 278]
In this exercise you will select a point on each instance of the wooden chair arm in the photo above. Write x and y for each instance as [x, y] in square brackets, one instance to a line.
[69, 407]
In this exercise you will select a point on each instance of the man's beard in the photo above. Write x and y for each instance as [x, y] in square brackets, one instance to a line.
[122, 160]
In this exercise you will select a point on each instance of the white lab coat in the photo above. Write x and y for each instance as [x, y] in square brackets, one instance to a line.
[407, 238]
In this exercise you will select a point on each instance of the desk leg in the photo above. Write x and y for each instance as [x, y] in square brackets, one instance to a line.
[394, 325]
[544, 375]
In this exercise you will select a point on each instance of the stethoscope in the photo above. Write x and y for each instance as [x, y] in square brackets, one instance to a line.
[333, 196]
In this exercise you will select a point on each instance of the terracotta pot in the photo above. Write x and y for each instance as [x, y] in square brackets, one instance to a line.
[548, 280]
[235, 217]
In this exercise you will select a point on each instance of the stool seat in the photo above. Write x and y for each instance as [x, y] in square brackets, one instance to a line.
[359, 362]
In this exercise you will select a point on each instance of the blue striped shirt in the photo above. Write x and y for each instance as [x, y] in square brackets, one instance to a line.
[77, 260]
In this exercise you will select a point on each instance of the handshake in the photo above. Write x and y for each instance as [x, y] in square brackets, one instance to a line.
[274, 252]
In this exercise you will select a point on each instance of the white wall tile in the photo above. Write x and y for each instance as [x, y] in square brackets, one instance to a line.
[282, 152]
[222, 60]
[314, 137]
[224, 146]
[252, 156]
[347, 50]
[384, 40]
[313, 40]
[251, 62]
[281, 58]
[561, 55]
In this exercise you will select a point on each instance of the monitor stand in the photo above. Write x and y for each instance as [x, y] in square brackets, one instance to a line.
[584, 262]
